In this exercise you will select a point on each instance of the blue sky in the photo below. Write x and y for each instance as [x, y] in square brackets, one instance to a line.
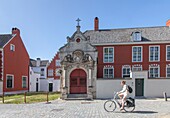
[45, 24]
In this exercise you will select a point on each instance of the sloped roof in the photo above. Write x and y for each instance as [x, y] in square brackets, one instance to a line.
[4, 38]
[151, 34]
[42, 62]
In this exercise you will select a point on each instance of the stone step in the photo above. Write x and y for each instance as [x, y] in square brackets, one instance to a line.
[77, 96]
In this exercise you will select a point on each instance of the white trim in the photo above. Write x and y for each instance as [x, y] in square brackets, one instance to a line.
[130, 43]
[50, 72]
[12, 47]
[158, 53]
[125, 66]
[2, 66]
[12, 80]
[26, 81]
[103, 54]
[57, 61]
[141, 53]
[167, 66]
[9, 40]
[111, 67]
[137, 66]
[166, 52]
[156, 66]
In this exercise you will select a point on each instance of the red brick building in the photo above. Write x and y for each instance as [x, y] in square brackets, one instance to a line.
[95, 61]
[14, 77]
[53, 74]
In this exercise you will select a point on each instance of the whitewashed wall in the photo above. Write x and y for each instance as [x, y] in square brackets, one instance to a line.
[155, 87]
[152, 87]
[56, 85]
[106, 88]
[44, 85]
[33, 80]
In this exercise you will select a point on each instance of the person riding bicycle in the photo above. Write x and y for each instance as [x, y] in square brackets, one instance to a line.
[123, 94]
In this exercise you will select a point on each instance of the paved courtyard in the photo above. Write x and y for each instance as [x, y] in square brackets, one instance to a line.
[84, 109]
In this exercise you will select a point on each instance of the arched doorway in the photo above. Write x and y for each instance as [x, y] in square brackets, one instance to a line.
[78, 82]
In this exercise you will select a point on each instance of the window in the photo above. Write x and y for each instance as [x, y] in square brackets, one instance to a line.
[42, 71]
[108, 73]
[24, 82]
[12, 47]
[58, 63]
[137, 68]
[10, 81]
[137, 54]
[154, 71]
[168, 71]
[57, 72]
[108, 55]
[168, 53]
[136, 36]
[126, 71]
[154, 53]
[50, 72]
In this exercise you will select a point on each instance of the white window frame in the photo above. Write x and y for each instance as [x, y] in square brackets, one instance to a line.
[50, 72]
[126, 66]
[167, 66]
[12, 47]
[158, 53]
[104, 54]
[42, 74]
[56, 72]
[137, 54]
[12, 81]
[26, 81]
[57, 62]
[137, 36]
[137, 66]
[167, 52]
[158, 71]
[108, 74]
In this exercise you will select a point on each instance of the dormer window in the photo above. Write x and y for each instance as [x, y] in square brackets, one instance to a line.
[136, 36]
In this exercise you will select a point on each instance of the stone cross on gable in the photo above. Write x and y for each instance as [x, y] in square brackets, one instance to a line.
[78, 20]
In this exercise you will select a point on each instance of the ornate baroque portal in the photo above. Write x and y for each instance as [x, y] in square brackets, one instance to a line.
[79, 66]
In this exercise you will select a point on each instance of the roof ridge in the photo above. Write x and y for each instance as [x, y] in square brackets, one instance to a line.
[127, 28]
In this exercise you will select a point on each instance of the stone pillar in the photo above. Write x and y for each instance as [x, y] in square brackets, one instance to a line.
[90, 80]
[64, 89]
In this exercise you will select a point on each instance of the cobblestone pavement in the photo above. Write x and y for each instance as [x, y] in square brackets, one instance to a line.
[84, 109]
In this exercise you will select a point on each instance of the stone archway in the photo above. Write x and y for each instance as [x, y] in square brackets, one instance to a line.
[78, 82]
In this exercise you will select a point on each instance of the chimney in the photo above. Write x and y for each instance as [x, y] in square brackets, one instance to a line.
[15, 31]
[96, 24]
[38, 62]
[168, 23]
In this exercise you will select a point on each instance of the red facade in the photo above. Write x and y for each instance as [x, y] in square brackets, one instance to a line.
[53, 66]
[123, 56]
[15, 63]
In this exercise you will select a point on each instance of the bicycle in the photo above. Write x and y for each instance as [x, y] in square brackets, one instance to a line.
[110, 105]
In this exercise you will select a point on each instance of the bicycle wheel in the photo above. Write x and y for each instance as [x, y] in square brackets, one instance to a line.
[110, 106]
[129, 109]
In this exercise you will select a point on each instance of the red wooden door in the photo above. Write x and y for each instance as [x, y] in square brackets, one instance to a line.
[78, 83]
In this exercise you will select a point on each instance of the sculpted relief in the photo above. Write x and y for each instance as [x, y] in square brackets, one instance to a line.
[78, 56]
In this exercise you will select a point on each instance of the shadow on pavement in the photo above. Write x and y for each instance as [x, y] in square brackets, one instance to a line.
[139, 112]
[144, 112]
